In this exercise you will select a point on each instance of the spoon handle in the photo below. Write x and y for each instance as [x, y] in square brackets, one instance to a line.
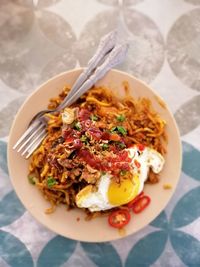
[115, 57]
[106, 44]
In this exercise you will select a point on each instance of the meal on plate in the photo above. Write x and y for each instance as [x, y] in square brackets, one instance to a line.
[99, 153]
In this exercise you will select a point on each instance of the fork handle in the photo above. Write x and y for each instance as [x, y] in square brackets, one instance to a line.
[107, 43]
[115, 57]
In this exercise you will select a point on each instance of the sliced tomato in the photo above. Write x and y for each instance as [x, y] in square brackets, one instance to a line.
[119, 218]
[141, 204]
[131, 203]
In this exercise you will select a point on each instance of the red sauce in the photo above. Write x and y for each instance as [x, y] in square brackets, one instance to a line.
[95, 133]
[70, 134]
[105, 136]
[121, 161]
[141, 147]
[77, 144]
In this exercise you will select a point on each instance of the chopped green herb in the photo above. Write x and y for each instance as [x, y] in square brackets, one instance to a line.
[94, 117]
[32, 179]
[77, 126]
[121, 145]
[103, 173]
[51, 181]
[121, 130]
[113, 129]
[121, 118]
[84, 139]
[105, 146]
[123, 172]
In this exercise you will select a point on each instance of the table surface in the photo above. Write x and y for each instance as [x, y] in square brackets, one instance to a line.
[39, 39]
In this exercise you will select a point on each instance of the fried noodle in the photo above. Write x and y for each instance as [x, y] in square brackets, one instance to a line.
[56, 167]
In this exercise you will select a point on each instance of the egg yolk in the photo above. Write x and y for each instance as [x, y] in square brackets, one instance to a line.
[120, 194]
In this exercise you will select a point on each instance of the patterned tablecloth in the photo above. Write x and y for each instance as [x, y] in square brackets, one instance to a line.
[39, 39]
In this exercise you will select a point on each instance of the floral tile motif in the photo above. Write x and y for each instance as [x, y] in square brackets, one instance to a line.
[188, 115]
[144, 252]
[146, 54]
[183, 46]
[25, 29]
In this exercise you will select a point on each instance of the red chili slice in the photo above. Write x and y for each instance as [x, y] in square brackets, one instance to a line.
[141, 204]
[119, 218]
[132, 202]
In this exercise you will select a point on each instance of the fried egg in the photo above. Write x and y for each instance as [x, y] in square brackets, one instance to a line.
[110, 194]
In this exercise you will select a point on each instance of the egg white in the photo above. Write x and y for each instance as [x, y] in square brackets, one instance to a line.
[96, 201]
[148, 158]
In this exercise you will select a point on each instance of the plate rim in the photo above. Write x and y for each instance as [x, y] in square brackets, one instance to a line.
[9, 148]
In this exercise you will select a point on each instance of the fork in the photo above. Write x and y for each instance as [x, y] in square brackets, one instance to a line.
[106, 44]
[107, 56]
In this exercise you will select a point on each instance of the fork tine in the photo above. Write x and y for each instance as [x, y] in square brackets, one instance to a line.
[31, 136]
[39, 115]
[33, 141]
[35, 145]
[26, 133]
